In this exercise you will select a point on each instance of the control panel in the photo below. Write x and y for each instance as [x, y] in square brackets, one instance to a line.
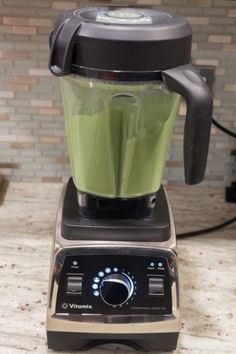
[114, 284]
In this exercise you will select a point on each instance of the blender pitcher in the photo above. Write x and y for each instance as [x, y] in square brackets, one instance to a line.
[123, 71]
[118, 134]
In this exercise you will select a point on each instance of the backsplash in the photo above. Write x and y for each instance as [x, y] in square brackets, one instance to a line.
[32, 136]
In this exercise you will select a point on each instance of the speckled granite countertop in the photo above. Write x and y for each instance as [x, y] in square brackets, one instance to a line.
[207, 269]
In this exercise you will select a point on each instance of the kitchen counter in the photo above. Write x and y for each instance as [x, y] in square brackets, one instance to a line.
[207, 269]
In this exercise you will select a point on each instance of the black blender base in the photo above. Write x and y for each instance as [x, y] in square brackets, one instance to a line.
[141, 342]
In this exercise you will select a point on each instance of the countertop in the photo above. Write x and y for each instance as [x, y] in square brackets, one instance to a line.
[207, 269]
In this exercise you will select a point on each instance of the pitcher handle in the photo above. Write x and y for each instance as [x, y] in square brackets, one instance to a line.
[186, 81]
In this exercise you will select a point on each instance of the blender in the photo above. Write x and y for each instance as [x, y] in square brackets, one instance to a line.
[114, 267]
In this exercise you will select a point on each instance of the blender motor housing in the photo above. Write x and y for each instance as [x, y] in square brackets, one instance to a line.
[113, 280]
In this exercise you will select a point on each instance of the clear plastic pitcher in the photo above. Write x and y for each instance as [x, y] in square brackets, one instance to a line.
[118, 134]
[122, 70]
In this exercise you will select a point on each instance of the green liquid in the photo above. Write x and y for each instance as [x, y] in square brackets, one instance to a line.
[118, 135]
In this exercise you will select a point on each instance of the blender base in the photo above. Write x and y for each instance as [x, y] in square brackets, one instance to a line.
[79, 318]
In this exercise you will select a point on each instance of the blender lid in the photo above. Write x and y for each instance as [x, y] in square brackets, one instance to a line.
[119, 38]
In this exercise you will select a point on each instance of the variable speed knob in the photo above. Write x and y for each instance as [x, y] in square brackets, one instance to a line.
[116, 289]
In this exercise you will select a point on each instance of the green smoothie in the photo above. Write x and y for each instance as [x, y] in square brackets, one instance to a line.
[118, 134]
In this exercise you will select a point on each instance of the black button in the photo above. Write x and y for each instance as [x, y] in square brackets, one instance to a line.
[74, 284]
[155, 286]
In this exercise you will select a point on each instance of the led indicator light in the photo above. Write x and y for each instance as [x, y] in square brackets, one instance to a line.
[94, 286]
[75, 263]
[96, 280]
[152, 264]
[96, 293]
[101, 274]
[160, 264]
[108, 270]
[115, 269]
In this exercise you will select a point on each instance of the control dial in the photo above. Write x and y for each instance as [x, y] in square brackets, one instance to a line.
[116, 289]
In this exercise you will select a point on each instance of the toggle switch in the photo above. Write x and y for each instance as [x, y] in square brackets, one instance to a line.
[155, 286]
[74, 284]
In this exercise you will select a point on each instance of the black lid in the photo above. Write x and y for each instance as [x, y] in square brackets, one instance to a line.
[118, 38]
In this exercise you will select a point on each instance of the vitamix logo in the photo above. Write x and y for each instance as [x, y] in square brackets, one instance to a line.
[74, 306]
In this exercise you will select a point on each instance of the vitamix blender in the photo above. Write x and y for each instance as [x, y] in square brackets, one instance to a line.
[114, 272]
